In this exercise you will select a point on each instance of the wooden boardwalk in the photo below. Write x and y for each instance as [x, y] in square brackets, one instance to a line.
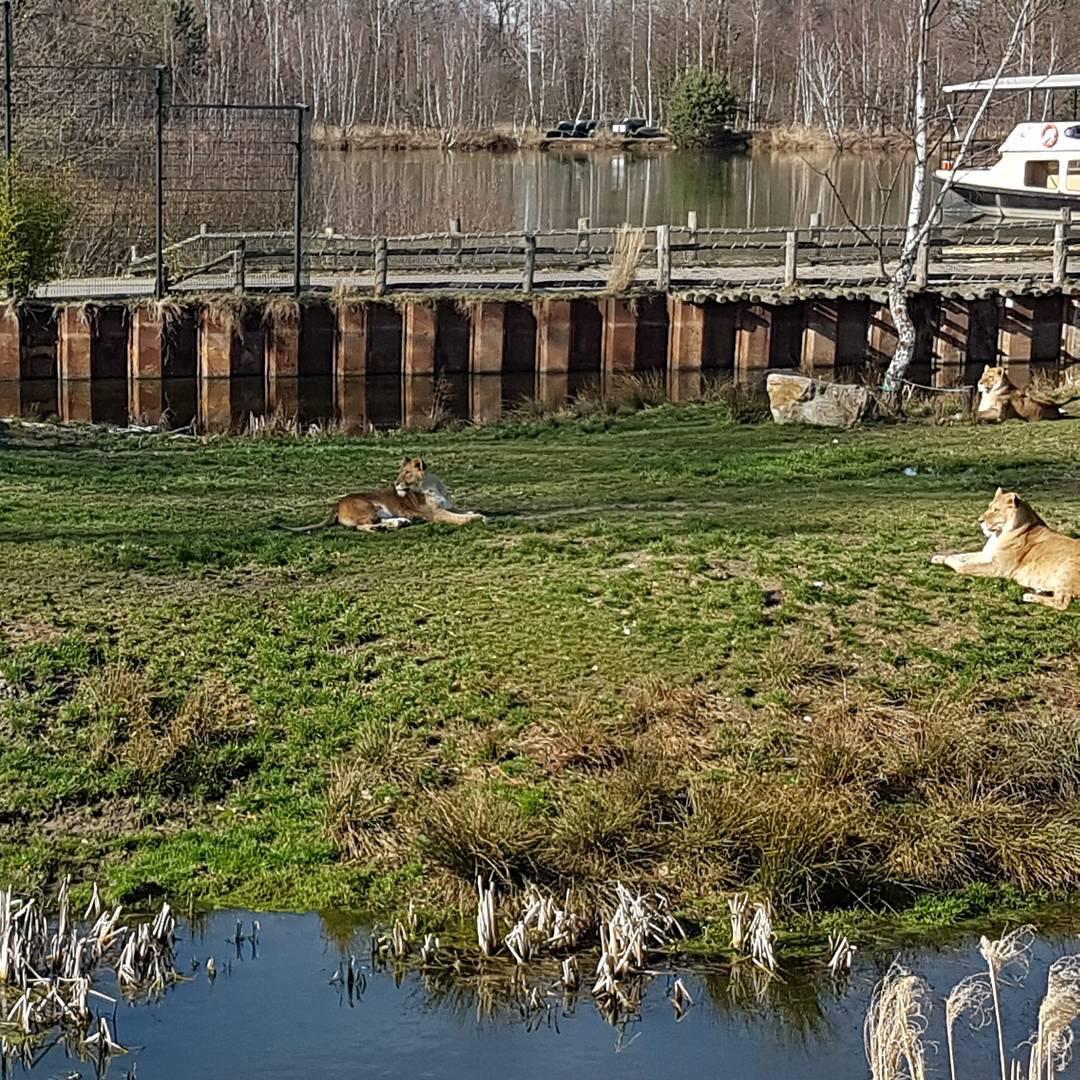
[762, 265]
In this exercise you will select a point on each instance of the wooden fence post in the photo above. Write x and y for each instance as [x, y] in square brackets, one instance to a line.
[381, 261]
[663, 257]
[691, 228]
[815, 228]
[791, 258]
[922, 263]
[582, 233]
[1061, 252]
[240, 267]
[530, 263]
[455, 240]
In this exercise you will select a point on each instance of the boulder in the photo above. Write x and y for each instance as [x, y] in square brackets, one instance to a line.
[798, 399]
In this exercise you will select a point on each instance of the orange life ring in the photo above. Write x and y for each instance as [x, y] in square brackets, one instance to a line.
[1049, 136]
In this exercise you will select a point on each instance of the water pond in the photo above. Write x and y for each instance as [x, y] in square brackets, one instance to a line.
[272, 1012]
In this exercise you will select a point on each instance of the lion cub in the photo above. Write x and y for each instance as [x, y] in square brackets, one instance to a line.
[417, 495]
[1020, 546]
[1000, 400]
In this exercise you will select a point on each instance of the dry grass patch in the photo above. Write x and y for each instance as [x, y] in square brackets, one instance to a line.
[125, 723]
[625, 259]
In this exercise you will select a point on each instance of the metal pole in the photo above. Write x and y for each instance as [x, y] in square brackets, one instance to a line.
[298, 203]
[161, 91]
[9, 64]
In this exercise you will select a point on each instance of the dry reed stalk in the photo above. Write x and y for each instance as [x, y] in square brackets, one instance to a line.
[761, 938]
[895, 1025]
[971, 996]
[841, 953]
[1012, 950]
[487, 929]
[625, 259]
[737, 908]
[1053, 1042]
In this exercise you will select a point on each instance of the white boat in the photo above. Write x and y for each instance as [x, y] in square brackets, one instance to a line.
[1037, 171]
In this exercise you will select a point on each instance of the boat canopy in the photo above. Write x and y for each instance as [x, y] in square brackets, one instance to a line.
[1017, 82]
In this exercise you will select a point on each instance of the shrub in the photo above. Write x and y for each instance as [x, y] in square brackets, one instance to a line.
[702, 108]
[34, 217]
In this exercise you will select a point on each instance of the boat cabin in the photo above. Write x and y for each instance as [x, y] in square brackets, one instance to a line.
[1035, 172]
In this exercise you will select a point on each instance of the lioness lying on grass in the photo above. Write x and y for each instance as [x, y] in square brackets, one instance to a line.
[1020, 546]
[417, 495]
[1000, 399]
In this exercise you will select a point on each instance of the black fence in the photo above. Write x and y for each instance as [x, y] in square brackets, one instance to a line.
[142, 170]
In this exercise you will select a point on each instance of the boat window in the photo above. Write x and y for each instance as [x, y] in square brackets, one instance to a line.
[1041, 174]
[1072, 177]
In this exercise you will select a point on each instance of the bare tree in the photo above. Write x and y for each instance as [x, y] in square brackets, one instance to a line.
[920, 218]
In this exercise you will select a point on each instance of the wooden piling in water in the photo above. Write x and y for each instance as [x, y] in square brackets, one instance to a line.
[418, 363]
[486, 346]
[283, 361]
[216, 343]
[436, 361]
[1029, 335]
[686, 349]
[145, 362]
[350, 366]
[766, 336]
[10, 361]
[1070, 335]
[554, 327]
[619, 350]
[74, 345]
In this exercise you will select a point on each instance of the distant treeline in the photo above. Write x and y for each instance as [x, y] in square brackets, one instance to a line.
[468, 64]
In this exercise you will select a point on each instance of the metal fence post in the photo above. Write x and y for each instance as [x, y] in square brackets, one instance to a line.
[298, 204]
[160, 105]
[530, 263]
[9, 64]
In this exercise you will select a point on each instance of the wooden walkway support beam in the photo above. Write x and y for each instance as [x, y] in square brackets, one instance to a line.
[554, 326]
[146, 348]
[486, 344]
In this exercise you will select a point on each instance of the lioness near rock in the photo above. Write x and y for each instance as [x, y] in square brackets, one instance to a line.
[1000, 399]
[1020, 546]
[417, 495]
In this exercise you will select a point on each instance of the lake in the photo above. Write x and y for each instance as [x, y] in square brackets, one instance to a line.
[399, 192]
[273, 1013]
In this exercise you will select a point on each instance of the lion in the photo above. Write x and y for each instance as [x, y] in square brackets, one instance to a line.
[1020, 546]
[1000, 399]
[417, 495]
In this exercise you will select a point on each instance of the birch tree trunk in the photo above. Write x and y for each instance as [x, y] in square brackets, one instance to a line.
[920, 218]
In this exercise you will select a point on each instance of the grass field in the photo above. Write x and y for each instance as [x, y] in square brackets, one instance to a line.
[683, 651]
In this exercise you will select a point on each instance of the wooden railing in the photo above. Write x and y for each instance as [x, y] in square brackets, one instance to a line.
[671, 254]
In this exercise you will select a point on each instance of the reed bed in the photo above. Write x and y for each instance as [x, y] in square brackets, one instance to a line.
[895, 1032]
[51, 959]
[544, 933]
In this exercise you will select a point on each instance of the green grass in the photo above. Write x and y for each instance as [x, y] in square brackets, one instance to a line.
[611, 678]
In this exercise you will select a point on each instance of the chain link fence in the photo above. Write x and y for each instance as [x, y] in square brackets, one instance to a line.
[162, 190]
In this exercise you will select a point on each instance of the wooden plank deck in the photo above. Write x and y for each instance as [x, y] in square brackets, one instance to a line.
[718, 263]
